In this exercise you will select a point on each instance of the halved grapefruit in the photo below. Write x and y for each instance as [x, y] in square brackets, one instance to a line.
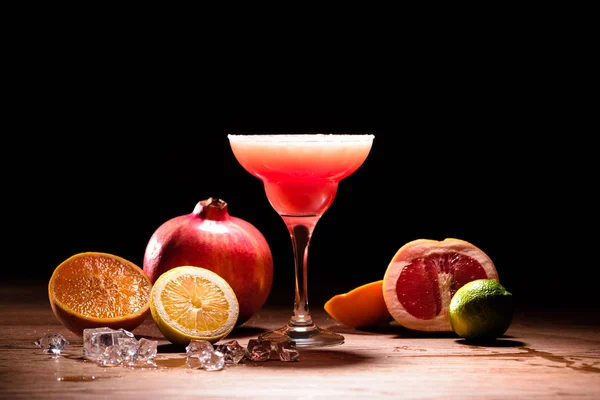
[423, 276]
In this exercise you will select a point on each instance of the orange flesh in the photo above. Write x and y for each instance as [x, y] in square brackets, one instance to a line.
[362, 307]
[100, 286]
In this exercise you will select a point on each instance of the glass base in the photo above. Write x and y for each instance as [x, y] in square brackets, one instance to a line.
[305, 336]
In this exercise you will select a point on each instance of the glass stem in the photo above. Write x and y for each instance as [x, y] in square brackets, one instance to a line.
[301, 229]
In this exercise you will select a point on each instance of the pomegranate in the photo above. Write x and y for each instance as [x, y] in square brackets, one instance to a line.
[211, 238]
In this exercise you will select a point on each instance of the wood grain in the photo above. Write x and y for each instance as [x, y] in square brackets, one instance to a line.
[545, 355]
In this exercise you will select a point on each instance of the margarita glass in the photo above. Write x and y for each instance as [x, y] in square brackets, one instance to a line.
[301, 173]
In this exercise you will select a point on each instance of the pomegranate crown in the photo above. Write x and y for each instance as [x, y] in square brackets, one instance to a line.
[211, 208]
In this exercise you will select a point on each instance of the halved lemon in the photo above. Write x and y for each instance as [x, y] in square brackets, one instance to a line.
[190, 302]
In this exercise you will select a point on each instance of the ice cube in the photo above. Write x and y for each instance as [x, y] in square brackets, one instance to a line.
[111, 356]
[52, 343]
[198, 351]
[146, 352]
[96, 340]
[233, 351]
[286, 350]
[129, 350]
[130, 353]
[259, 350]
[214, 362]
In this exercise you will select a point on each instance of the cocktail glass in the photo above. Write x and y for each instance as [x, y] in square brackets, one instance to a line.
[301, 173]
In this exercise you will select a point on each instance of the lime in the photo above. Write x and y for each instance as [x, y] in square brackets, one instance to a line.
[481, 310]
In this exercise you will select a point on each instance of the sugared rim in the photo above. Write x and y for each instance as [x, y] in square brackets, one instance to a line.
[301, 137]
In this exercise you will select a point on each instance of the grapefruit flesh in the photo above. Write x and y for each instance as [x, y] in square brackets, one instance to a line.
[423, 276]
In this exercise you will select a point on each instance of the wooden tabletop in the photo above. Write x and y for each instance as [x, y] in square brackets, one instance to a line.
[544, 355]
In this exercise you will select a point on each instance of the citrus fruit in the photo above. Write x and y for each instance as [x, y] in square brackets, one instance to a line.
[189, 302]
[92, 290]
[424, 274]
[481, 310]
[360, 308]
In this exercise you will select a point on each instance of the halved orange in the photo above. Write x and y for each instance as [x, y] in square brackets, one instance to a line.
[93, 289]
[424, 275]
[360, 308]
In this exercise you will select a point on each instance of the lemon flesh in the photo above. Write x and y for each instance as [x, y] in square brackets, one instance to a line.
[190, 302]
[481, 310]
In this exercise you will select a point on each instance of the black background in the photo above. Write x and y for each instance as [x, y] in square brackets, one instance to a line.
[485, 142]
[433, 173]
